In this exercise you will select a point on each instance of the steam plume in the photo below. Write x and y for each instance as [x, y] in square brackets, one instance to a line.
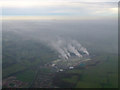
[66, 47]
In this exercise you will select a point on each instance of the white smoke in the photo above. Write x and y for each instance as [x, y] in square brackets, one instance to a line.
[73, 50]
[66, 47]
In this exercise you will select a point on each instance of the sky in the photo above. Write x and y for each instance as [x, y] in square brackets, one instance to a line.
[62, 9]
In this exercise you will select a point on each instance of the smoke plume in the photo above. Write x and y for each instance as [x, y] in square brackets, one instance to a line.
[66, 48]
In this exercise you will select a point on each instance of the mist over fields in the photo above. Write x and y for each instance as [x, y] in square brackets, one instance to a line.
[42, 53]
[99, 35]
[59, 44]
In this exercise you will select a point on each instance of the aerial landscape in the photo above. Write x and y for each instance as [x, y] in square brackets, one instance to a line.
[60, 45]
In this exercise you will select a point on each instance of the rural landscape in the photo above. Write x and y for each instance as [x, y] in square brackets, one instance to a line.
[59, 44]
[29, 62]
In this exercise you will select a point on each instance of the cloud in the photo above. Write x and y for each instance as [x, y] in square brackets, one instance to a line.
[39, 3]
[61, 9]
